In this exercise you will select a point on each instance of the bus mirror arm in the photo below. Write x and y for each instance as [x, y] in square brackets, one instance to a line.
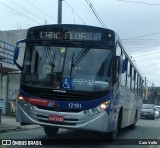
[19, 67]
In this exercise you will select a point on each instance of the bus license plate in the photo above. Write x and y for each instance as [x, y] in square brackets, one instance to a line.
[56, 118]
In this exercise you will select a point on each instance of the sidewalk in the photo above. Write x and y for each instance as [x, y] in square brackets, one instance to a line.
[8, 123]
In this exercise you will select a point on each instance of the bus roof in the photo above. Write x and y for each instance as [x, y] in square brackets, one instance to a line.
[71, 25]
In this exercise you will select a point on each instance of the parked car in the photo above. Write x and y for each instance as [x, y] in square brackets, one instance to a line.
[149, 111]
[157, 112]
[158, 107]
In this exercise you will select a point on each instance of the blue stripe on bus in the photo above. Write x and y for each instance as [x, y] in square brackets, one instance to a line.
[66, 104]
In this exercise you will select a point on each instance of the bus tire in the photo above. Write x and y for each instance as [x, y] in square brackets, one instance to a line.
[50, 131]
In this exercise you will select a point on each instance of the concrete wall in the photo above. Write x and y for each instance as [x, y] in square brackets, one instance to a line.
[10, 87]
[4, 92]
[12, 91]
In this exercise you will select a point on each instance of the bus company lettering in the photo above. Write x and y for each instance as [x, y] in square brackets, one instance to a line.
[72, 35]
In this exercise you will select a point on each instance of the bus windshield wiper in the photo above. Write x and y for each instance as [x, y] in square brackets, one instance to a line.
[50, 57]
[79, 57]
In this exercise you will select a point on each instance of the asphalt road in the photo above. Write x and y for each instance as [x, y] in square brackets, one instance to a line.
[146, 131]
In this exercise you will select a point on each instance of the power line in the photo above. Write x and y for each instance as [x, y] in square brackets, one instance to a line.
[150, 65]
[95, 13]
[145, 51]
[142, 43]
[140, 48]
[26, 10]
[19, 13]
[143, 39]
[142, 36]
[74, 11]
[139, 2]
[146, 54]
[40, 10]
[149, 59]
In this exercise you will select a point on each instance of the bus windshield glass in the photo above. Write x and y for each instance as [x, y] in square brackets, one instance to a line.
[73, 68]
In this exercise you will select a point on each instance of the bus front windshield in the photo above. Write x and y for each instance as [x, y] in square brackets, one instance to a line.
[73, 68]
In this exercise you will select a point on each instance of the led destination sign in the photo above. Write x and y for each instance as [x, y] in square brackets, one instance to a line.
[71, 35]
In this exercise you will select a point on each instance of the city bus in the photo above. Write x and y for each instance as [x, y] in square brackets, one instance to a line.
[77, 77]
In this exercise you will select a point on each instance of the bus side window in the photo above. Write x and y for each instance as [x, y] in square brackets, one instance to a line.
[118, 50]
[138, 85]
[132, 77]
[118, 55]
[142, 89]
[134, 81]
[124, 70]
[128, 75]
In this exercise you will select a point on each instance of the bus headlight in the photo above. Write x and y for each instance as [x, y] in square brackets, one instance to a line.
[94, 110]
[104, 105]
[20, 98]
[87, 112]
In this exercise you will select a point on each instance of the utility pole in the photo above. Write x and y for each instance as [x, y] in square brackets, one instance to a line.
[59, 11]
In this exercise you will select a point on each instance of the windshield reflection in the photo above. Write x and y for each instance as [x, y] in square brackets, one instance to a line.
[82, 69]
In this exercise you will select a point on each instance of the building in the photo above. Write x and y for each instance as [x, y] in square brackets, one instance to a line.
[9, 73]
[153, 95]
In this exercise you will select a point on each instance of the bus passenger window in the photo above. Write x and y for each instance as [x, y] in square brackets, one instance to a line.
[128, 75]
[134, 79]
[118, 50]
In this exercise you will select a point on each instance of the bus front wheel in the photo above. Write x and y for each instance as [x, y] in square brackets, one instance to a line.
[51, 131]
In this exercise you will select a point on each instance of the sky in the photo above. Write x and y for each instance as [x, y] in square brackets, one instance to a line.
[136, 21]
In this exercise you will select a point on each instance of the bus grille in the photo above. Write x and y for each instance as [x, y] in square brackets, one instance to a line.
[60, 110]
[49, 94]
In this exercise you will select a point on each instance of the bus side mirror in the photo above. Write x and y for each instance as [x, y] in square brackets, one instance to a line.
[16, 53]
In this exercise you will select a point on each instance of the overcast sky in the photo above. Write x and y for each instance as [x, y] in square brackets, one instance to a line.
[136, 21]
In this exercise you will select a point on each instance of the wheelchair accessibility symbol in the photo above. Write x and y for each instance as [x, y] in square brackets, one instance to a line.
[67, 83]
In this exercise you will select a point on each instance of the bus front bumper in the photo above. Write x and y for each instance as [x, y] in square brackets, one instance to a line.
[29, 114]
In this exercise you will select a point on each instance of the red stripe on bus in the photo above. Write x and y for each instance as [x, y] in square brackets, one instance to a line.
[37, 101]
